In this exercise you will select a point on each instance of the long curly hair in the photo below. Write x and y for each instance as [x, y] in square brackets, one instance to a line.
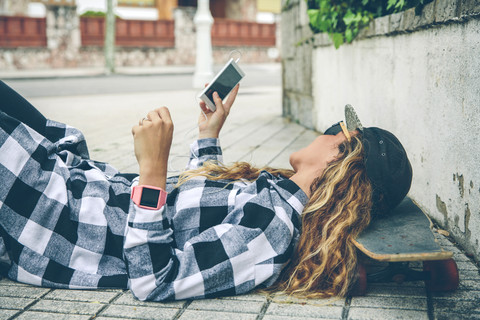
[324, 261]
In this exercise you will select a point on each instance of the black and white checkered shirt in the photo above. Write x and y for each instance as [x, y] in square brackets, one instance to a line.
[67, 222]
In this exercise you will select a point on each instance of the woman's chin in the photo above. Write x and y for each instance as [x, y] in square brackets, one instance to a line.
[293, 162]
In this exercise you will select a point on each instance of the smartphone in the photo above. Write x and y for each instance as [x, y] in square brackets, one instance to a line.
[223, 83]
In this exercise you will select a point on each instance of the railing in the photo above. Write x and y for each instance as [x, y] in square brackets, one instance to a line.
[22, 32]
[129, 33]
[242, 33]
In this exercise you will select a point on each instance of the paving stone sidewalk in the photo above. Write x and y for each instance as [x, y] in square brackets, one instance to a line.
[255, 132]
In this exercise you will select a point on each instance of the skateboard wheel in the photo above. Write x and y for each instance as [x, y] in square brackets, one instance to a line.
[359, 286]
[443, 275]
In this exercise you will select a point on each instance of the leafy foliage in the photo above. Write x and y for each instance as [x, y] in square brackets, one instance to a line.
[343, 19]
[93, 14]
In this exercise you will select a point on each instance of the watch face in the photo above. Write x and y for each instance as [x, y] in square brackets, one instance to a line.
[149, 197]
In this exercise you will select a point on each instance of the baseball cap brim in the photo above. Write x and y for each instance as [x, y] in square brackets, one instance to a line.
[351, 119]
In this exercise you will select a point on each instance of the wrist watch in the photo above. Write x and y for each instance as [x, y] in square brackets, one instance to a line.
[148, 197]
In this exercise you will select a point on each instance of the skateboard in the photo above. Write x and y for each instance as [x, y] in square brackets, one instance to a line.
[402, 237]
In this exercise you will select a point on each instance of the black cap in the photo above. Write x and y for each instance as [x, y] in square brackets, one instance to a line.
[386, 161]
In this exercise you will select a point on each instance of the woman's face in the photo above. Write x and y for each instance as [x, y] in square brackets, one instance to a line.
[315, 157]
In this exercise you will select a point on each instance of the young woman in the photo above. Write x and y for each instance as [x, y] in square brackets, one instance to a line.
[67, 221]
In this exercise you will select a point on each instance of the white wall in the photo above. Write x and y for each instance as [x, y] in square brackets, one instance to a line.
[415, 73]
[425, 88]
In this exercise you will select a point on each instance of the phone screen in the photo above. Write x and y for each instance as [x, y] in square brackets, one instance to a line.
[224, 83]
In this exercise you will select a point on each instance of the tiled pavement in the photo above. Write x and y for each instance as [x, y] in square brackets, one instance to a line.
[254, 132]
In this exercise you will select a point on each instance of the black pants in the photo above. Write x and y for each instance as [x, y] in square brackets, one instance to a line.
[17, 107]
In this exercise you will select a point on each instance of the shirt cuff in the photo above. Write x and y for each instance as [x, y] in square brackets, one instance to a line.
[208, 146]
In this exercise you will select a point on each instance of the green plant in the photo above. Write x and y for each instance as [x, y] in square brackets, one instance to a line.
[91, 13]
[343, 19]
[95, 14]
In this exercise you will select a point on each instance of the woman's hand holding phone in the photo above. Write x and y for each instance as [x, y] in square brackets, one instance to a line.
[210, 127]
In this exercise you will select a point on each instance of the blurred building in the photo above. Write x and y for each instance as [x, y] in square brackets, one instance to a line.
[229, 9]
[54, 33]
[246, 10]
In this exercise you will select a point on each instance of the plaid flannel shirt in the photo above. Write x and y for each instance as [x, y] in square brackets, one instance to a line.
[67, 222]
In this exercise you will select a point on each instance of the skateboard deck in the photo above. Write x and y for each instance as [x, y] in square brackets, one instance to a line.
[404, 234]
[400, 237]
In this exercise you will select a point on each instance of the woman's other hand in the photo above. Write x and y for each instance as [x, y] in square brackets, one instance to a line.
[210, 127]
[152, 139]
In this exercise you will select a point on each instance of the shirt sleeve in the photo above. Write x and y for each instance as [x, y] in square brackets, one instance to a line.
[70, 145]
[67, 138]
[226, 259]
[204, 150]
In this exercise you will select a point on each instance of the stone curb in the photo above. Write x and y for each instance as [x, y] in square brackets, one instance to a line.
[93, 72]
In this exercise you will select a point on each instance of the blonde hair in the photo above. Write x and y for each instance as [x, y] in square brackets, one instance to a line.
[324, 261]
[237, 171]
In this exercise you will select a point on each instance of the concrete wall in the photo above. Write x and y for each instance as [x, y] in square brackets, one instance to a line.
[241, 9]
[297, 63]
[419, 77]
[9, 7]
